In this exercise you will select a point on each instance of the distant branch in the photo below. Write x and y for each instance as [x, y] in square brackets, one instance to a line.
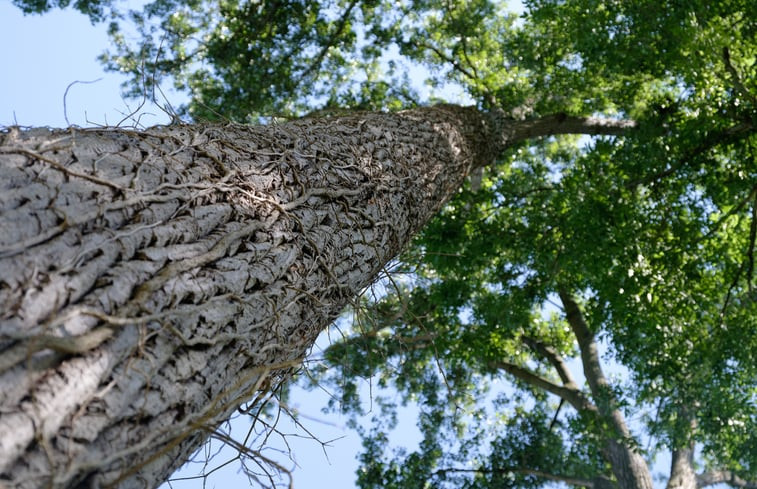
[586, 344]
[449, 59]
[557, 414]
[723, 477]
[728, 135]
[554, 358]
[574, 396]
[595, 377]
[318, 59]
[596, 483]
[750, 250]
[450, 13]
[735, 74]
[733, 210]
[472, 76]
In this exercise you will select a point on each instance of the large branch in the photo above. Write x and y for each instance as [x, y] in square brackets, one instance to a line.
[724, 477]
[595, 377]
[510, 131]
[554, 358]
[562, 123]
[627, 464]
[682, 475]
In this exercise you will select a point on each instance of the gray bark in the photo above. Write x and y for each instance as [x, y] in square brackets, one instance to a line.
[620, 449]
[152, 281]
[724, 477]
[682, 475]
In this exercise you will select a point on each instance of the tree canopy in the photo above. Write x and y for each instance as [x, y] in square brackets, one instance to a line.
[642, 246]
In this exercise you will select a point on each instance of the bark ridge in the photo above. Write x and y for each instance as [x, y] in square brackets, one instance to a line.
[152, 281]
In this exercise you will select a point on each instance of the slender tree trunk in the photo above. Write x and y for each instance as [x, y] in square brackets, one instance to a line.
[682, 475]
[628, 466]
[150, 282]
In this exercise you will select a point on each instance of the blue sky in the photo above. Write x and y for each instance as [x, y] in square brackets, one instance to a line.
[42, 56]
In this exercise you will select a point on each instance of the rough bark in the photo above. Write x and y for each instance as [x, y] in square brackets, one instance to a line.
[150, 282]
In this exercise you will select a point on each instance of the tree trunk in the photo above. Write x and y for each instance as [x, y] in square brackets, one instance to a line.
[627, 464]
[682, 475]
[150, 282]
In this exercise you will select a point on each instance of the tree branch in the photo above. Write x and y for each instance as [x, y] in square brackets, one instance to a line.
[554, 358]
[595, 377]
[505, 131]
[574, 396]
[563, 123]
[733, 210]
[586, 344]
[726, 136]
[735, 75]
[449, 59]
[572, 481]
[682, 474]
[750, 250]
[318, 59]
[619, 447]
[726, 477]
[471, 75]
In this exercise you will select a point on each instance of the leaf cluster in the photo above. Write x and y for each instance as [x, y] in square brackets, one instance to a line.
[655, 231]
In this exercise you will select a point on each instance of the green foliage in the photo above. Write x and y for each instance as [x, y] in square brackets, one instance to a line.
[252, 60]
[656, 231]
[94, 9]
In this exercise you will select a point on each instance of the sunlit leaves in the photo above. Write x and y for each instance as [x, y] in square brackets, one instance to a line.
[252, 60]
[653, 230]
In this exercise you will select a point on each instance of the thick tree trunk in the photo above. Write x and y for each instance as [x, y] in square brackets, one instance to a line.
[150, 282]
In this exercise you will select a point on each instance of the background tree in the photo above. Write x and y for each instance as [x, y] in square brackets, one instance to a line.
[644, 244]
[574, 247]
